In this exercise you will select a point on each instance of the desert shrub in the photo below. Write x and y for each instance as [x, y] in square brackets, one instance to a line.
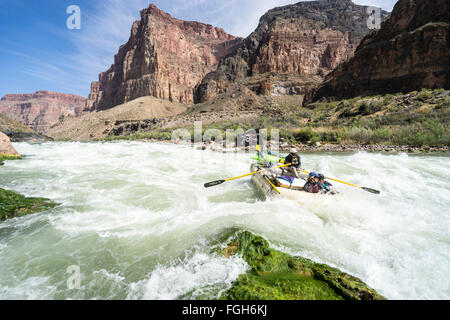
[320, 116]
[359, 134]
[329, 136]
[430, 132]
[367, 123]
[287, 135]
[382, 135]
[367, 108]
[348, 112]
[304, 114]
[305, 134]
[388, 98]
[159, 135]
[424, 95]
[443, 103]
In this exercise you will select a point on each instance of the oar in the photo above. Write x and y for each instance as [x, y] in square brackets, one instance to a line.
[350, 184]
[217, 182]
[276, 189]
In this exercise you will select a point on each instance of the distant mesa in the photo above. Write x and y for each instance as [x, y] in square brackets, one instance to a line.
[42, 109]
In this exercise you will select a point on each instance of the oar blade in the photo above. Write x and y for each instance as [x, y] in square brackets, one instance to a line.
[371, 190]
[214, 183]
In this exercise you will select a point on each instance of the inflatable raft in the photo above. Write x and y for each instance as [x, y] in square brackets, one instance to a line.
[267, 183]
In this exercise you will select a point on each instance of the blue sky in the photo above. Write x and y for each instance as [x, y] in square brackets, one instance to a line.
[38, 52]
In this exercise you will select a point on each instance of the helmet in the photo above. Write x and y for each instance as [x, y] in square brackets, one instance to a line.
[321, 176]
[293, 150]
[313, 174]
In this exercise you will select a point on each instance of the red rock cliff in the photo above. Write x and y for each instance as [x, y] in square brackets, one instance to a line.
[164, 57]
[411, 51]
[42, 109]
[307, 38]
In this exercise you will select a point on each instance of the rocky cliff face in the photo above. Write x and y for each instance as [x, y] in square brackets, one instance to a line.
[411, 51]
[307, 38]
[17, 132]
[6, 148]
[42, 109]
[164, 58]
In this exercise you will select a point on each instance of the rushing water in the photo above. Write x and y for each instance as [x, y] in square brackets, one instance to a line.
[137, 221]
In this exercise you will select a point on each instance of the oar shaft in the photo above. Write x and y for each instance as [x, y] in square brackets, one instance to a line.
[276, 189]
[350, 184]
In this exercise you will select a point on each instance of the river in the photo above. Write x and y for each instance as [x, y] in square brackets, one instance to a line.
[138, 223]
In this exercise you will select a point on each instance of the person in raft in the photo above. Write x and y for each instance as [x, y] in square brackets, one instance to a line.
[294, 159]
[325, 186]
[312, 184]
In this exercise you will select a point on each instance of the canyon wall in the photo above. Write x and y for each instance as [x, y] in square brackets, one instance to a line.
[165, 58]
[191, 62]
[411, 51]
[303, 39]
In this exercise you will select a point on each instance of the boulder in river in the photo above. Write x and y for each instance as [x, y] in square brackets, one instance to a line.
[275, 275]
[7, 151]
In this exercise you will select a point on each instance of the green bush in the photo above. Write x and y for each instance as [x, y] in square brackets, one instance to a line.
[424, 95]
[431, 133]
[382, 135]
[287, 135]
[360, 135]
[305, 135]
[329, 136]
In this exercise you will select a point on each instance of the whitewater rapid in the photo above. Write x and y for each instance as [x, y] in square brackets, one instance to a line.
[136, 219]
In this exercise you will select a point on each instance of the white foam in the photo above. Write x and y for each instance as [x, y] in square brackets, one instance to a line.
[32, 288]
[191, 276]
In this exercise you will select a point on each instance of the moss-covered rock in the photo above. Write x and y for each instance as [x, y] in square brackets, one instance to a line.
[275, 275]
[14, 205]
[4, 157]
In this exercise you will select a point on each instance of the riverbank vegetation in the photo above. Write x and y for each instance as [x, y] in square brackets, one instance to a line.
[275, 275]
[415, 119]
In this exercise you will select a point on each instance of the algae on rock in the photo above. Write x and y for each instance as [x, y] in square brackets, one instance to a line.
[14, 205]
[275, 275]
[4, 157]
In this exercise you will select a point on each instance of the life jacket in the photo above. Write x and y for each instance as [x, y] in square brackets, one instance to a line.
[294, 160]
[311, 187]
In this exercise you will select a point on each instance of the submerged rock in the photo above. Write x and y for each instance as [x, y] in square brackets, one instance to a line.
[275, 275]
[13, 205]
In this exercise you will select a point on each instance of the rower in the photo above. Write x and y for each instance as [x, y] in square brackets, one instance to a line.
[294, 159]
